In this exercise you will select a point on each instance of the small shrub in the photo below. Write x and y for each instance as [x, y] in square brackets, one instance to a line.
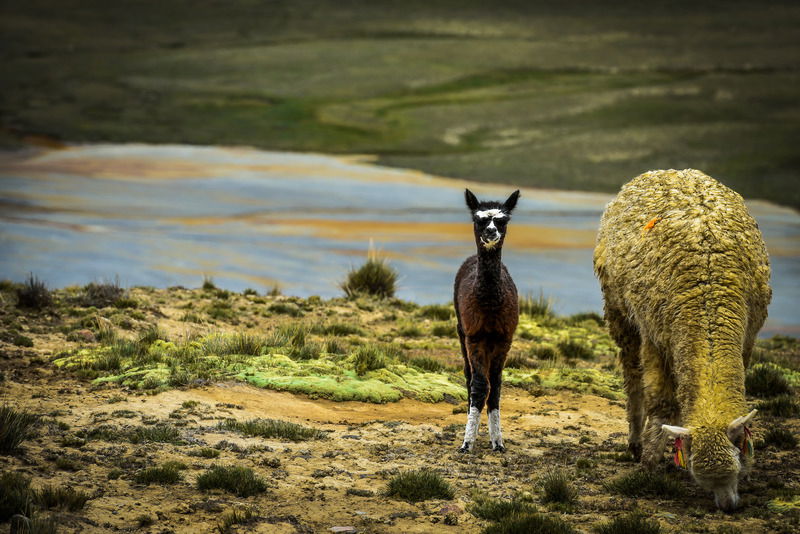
[530, 524]
[36, 523]
[572, 349]
[208, 284]
[149, 335]
[422, 485]
[249, 291]
[437, 312]
[168, 473]
[333, 346]
[409, 330]
[641, 483]
[531, 306]
[764, 380]
[779, 437]
[308, 351]
[272, 428]
[239, 343]
[444, 330]
[367, 359]
[204, 452]
[286, 308]
[115, 473]
[15, 495]
[499, 509]
[126, 303]
[144, 520]
[15, 427]
[33, 294]
[61, 497]
[339, 329]
[633, 523]
[518, 361]
[108, 361]
[426, 363]
[375, 278]
[155, 434]
[241, 481]
[543, 352]
[101, 295]
[783, 406]
[579, 318]
[22, 341]
[556, 487]
[236, 516]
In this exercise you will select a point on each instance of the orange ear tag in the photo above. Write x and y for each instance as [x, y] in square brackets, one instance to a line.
[680, 457]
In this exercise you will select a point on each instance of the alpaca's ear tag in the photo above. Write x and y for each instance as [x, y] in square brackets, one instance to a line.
[650, 224]
[680, 456]
[746, 446]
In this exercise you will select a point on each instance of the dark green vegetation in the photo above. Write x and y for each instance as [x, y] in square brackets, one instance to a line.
[633, 523]
[15, 427]
[569, 95]
[498, 509]
[639, 483]
[766, 380]
[236, 516]
[530, 524]
[421, 485]
[778, 437]
[556, 487]
[167, 473]
[273, 428]
[33, 294]
[241, 481]
[375, 278]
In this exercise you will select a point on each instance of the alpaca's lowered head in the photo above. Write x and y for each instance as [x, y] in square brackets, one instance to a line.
[490, 219]
[717, 456]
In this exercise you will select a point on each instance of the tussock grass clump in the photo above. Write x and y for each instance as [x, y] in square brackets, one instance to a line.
[167, 473]
[238, 343]
[156, 434]
[15, 427]
[286, 308]
[518, 361]
[437, 312]
[421, 485]
[150, 335]
[368, 358]
[499, 509]
[764, 380]
[15, 495]
[426, 363]
[61, 497]
[582, 317]
[33, 294]
[204, 452]
[241, 481]
[308, 351]
[633, 523]
[293, 334]
[539, 306]
[557, 488]
[22, 341]
[409, 330]
[102, 294]
[236, 516]
[338, 329]
[783, 406]
[272, 428]
[779, 437]
[36, 523]
[530, 524]
[444, 330]
[573, 349]
[543, 352]
[375, 278]
[642, 483]
[208, 284]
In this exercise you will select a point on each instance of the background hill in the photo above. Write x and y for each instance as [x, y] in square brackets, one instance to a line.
[579, 95]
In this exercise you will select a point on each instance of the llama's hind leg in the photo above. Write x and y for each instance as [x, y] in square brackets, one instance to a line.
[493, 403]
[467, 366]
[628, 339]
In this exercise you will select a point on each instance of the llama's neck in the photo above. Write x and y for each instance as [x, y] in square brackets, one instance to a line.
[489, 268]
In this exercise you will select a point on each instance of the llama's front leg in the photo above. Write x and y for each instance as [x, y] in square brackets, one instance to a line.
[479, 388]
[660, 405]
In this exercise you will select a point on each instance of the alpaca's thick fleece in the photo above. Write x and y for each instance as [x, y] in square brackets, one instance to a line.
[685, 277]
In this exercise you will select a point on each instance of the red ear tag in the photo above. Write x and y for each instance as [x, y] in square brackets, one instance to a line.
[679, 458]
[746, 447]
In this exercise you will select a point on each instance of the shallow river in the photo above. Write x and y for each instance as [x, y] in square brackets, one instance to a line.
[170, 215]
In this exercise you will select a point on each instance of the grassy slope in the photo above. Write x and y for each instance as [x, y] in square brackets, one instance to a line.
[583, 96]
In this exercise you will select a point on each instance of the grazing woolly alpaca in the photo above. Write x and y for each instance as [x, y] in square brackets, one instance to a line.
[487, 310]
[685, 278]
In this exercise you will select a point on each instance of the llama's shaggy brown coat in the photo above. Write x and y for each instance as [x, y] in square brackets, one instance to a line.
[685, 277]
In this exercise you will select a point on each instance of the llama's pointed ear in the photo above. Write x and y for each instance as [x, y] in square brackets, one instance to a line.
[675, 431]
[736, 427]
[511, 202]
[472, 201]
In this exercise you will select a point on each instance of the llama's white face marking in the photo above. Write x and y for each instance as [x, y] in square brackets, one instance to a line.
[493, 213]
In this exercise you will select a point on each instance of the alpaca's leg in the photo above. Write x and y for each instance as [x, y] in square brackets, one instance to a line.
[660, 404]
[479, 388]
[493, 402]
[627, 337]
